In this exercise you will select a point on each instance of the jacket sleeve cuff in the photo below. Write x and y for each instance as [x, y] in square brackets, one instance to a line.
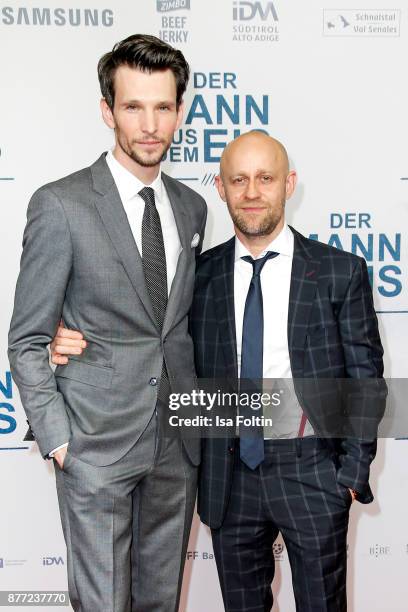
[52, 453]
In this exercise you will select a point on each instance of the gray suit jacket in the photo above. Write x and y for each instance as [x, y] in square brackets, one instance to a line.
[80, 263]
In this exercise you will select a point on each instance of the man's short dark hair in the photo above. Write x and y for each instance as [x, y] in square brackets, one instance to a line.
[147, 53]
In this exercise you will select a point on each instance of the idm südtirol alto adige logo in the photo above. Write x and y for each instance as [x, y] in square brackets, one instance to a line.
[254, 21]
[47, 561]
[60, 17]
[242, 10]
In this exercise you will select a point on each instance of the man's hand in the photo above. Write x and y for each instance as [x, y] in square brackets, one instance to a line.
[59, 456]
[66, 342]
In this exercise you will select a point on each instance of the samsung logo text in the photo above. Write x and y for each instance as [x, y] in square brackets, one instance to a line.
[73, 17]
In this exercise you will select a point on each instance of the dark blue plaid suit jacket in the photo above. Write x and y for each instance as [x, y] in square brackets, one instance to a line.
[332, 333]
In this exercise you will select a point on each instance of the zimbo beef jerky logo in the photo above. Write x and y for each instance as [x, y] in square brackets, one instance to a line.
[173, 28]
[164, 6]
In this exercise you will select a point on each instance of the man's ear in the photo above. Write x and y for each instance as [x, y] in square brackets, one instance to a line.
[107, 114]
[180, 113]
[220, 187]
[291, 181]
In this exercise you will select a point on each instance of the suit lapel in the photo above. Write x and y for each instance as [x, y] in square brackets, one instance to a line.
[305, 272]
[114, 218]
[223, 283]
[184, 229]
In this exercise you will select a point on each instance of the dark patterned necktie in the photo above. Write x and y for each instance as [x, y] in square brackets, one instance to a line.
[155, 272]
[251, 437]
[154, 256]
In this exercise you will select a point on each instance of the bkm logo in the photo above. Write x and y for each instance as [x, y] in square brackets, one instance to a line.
[245, 11]
[53, 561]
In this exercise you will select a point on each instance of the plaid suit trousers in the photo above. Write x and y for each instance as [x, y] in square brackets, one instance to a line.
[294, 491]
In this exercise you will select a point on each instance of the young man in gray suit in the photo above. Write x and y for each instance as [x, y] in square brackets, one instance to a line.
[111, 251]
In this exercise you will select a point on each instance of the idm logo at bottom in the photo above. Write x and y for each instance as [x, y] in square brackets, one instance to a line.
[53, 561]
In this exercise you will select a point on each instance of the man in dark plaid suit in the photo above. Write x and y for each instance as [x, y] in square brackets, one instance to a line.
[316, 321]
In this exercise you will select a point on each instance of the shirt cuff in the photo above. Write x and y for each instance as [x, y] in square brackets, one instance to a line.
[52, 453]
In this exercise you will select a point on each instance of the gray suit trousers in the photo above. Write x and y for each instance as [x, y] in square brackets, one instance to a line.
[126, 526]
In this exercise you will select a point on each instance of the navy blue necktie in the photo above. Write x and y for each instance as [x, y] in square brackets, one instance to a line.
[251, 438]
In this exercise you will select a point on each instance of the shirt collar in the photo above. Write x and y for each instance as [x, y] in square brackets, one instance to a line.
[282, 244]
[127, 183]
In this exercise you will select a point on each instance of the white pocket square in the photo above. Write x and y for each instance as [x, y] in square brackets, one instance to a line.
[195, 241]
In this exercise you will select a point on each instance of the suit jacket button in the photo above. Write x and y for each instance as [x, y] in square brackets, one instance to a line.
[153, 381]
[231, 449]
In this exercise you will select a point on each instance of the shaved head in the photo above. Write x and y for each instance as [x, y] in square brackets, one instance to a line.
[255, 182]
[245, 143]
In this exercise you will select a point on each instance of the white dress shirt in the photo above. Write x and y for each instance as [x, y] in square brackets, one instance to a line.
[129, 186]
[275, 282]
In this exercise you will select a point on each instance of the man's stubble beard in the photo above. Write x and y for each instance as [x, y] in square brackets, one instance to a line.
[145, 162]
[261, 228]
